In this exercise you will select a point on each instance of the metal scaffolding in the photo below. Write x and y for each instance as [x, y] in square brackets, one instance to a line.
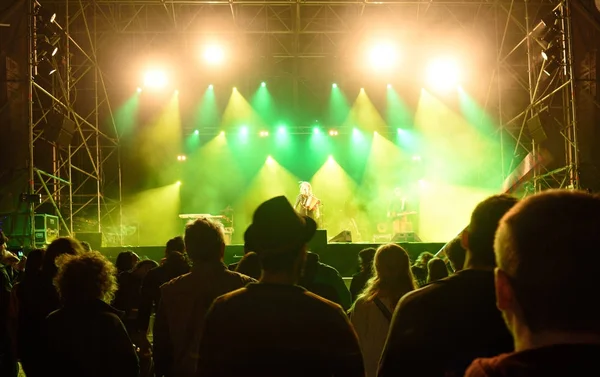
[305, 42]
[70, 145]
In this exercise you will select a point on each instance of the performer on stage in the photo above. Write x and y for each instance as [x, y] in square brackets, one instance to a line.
[306, 203]
[400, 214]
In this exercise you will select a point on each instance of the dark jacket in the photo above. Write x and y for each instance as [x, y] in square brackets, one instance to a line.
[37, 298]
[88, 339]
[180, 317]
[175, 265]
[325, 281]
[358, 283]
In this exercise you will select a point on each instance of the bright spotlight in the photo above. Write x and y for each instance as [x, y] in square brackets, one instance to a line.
[139, 90]
[383, 56]
[316, 130]
[355, 131]
[176, 92]
[181, 157]
[330, 158]
[155, 79]
[264, 133]
[269, 160]
[244, 130]
[196, 132]
[443, 74]
[281, 130]
[210, 86]
[178, 183]
[214, 55]
[263, 84]
[416, 158]
[222, 133]
[334, 85]
[333, 133]
[389, 86]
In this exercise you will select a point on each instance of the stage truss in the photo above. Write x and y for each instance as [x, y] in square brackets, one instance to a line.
[290, 39]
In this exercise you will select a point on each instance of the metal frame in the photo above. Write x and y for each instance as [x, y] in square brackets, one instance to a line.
[539, 91]
[74, 183]
[291, 38]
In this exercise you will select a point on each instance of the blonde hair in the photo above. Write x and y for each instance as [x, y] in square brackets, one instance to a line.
[392, 277]
[307, 186]
[85, 277]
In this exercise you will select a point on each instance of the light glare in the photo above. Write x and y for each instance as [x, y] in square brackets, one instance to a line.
[383, 56]
[155, 79]
[443, 74]
[214, 55]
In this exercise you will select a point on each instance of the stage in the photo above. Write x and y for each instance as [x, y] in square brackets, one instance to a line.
[342, 256]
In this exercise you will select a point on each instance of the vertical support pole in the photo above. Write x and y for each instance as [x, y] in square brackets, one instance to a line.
[31, 55]
[572, 143]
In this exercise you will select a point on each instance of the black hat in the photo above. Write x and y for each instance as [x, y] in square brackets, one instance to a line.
[275, 223]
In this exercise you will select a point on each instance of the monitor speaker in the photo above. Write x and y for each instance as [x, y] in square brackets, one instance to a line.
[406, 237]
[343, 236]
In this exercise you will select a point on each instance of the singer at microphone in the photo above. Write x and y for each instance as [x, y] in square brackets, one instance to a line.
[306, 203]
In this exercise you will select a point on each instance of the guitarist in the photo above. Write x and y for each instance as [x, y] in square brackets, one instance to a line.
[399, 213]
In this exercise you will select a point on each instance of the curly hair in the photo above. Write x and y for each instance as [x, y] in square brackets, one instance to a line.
[85, 277]
[392, 275]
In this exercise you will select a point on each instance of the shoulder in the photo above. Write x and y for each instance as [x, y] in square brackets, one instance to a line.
[244, 279]
[175, 283]
[487, 367]
[425, 296]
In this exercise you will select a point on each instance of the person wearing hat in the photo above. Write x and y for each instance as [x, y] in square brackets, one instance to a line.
[275, 327]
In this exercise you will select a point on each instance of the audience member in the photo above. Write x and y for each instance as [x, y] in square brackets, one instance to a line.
[455, 253]
[360, 279]
[325, 281]
[8, 361]
[86, 337]
[249, 265]
[372, 312]
[174, 264]
[419, 269]
[40, 298]
[128, 294]
[546, 286]
[33, 266]
[126, 260]
[274, 327]
[440, 329]
[436, 270]
[186, 299]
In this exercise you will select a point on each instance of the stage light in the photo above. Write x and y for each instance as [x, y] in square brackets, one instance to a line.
[389, 86]
[181, 157]
[355, 131]
[214, 55]
[443, 73]
[269, 160]
[551, 66]
[330, 158]
[155, 79]
[416, 158]
[334, 85]
[362, 89]
[264, 133]
[178, 183]
[222, 133]
[234, 89]
[139, 90]
[196, 132]
[316, 130]
[383, 56]
[244, 130]
[333, 133]
[281, 130]
[263, 84]
[176, 92]
[210, 86]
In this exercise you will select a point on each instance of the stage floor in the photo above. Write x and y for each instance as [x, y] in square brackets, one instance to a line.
[342, 256]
